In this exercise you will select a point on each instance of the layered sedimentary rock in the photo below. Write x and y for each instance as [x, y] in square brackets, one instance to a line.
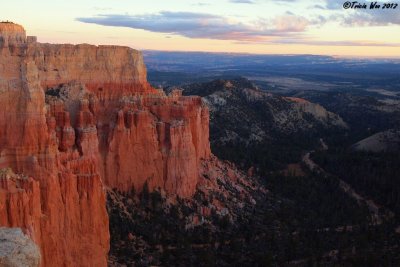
[12, 34]
[56, 195]
[109, 71]
[160, 140]
[75, 119]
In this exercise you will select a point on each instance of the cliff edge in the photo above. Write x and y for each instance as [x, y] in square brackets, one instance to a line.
[77, 118]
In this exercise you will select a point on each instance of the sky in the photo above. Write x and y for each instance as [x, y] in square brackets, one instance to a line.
[320, 27]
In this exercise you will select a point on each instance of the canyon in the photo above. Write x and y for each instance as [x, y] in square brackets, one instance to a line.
[77, 119]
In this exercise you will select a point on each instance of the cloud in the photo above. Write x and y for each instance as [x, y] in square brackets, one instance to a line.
[290, 23]
[334, 4]
[242, 1]
[337, 43]
[357, 17]
[201, 4]
[259, 1]
[102, 8]
[203, 25]
[307, 41]
[330, 5]
[287, 28]
[375, 18]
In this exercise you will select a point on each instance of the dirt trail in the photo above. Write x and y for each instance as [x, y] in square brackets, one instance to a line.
[378, 213]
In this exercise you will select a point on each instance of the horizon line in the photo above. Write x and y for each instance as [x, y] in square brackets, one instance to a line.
[272, 54]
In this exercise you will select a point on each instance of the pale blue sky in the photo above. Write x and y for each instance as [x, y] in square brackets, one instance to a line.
[252, 26]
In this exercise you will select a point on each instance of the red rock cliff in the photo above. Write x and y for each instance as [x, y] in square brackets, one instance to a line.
[56, 195]
[75, 117]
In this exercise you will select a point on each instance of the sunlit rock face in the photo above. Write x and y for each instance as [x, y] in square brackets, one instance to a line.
[75, 119]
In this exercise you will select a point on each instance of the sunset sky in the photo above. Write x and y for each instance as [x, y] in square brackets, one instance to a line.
[249, 26]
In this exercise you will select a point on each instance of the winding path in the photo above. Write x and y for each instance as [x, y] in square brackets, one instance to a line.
[378, 213]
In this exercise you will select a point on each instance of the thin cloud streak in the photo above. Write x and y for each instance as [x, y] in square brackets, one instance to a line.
[299, 41]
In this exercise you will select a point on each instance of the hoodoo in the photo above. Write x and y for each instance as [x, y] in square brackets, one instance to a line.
[77, 118]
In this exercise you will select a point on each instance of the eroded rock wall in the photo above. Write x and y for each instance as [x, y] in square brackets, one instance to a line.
[75, 119]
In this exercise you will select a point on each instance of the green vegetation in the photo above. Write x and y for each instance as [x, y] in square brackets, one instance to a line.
[376, 175]
[309, 220]
[303, 221]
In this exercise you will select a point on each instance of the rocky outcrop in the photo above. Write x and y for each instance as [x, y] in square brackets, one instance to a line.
[225, 198]
[241, 112]
[75, 119]
[386, 141]
[63, 214]
[11, 34]
[108, 71]
[161, 143]
[259, 130]
[56, 194]
[17, 249]
[316, 110]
